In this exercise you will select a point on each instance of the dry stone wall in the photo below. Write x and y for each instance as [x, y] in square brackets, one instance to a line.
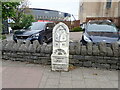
[102, 55]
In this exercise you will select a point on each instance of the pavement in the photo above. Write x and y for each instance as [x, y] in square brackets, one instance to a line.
[76, 36]
[9, 37]
[17, 74]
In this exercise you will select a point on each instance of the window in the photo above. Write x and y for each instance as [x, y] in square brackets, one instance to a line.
[81, 8]
[101, 28]
[46, 12]
[37, 26]
[50, 26]
[108, 3]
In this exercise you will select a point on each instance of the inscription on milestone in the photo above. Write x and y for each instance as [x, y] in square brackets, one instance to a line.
[60, 55]
[60, 34]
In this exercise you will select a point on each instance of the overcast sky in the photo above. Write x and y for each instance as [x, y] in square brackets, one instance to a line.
[69, 6]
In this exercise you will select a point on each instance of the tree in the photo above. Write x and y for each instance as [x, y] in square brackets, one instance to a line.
[8, 9]
[21, 19]
[15, 11]
[20, 11]
[24, 22]
[0, 20]
[0, 17]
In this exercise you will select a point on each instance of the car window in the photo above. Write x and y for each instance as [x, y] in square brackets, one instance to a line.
[37, 26]
[101, 28]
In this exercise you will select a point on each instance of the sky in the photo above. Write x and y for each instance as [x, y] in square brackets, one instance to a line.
[68, 6]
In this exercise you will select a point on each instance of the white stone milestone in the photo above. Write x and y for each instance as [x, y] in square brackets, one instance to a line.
[60, 54]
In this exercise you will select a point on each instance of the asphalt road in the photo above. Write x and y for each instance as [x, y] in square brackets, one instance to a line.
[76, 36]
[9, 37]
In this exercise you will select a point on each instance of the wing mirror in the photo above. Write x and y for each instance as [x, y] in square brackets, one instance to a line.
[83, 26]
[29, 28]
[47, 28]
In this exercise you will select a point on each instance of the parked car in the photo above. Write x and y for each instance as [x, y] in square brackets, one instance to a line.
[100, 31]
[41, 31]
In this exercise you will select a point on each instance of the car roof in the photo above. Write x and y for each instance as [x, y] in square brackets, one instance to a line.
[43, 22]
[108, 22]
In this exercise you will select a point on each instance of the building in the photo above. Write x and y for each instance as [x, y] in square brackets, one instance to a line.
[46, 14]
[119, 14]
[97, 8]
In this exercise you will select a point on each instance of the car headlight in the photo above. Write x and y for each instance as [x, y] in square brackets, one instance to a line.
[35, 35]
[87, 39]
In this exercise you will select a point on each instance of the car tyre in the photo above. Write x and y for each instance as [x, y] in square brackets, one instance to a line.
[42, 40]
[83, 41]
[14, 39]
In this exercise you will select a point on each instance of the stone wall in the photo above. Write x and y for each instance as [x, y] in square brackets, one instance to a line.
[101, 55]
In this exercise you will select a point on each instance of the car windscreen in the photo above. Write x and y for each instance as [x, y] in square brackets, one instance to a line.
[101, 28]
[37, 26]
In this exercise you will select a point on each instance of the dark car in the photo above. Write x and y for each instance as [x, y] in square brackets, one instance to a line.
[41, 31]
[100, 31]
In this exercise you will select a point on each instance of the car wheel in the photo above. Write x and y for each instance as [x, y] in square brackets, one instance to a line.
[14, 39]
[42, 40]
[83, 41]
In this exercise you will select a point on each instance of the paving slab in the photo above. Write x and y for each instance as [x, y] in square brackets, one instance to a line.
[24, 75]
[78, 84]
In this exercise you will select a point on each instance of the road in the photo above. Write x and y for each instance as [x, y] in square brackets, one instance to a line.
[9, 37]
[75, 36]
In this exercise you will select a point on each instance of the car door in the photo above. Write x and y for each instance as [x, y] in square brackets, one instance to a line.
[48, 30]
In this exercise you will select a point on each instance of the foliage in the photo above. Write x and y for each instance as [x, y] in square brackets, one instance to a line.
[77, 29]
[2, 37]
[8, 9]
[0, 18]
[24, 22]
[15, 11]
[27, 20]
